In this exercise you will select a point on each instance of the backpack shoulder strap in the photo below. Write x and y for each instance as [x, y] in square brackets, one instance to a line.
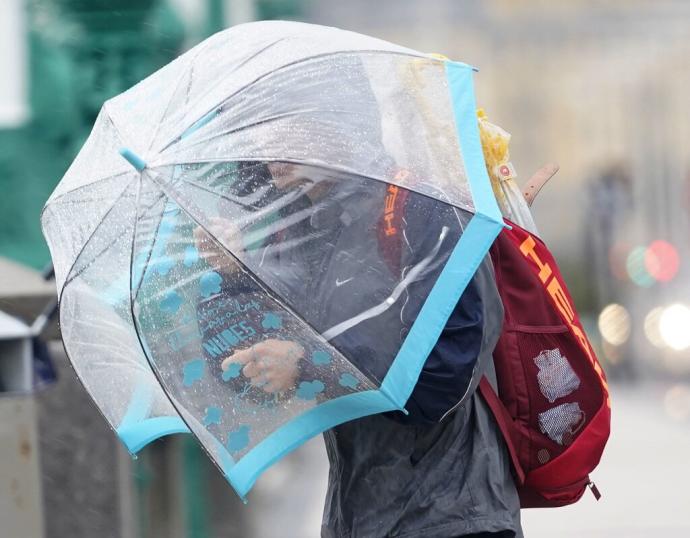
[505, 424]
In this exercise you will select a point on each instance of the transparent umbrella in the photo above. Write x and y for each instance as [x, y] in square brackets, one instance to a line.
[265, 238]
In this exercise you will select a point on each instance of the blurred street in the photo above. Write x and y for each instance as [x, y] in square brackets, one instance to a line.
[644, 476]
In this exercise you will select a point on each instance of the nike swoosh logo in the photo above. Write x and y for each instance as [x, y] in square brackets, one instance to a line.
[339, 283]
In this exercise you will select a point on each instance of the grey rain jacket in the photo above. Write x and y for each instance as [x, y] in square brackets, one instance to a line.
[443, 470]
[426, 480]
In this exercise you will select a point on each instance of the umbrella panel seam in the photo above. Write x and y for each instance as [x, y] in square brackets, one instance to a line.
[313, 165]
[187, 69]
[59, 197]
[68, 279]
[91, 235]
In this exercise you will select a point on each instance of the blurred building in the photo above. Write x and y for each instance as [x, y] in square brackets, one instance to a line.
[582, 83]
[61, 60]
[592, 86]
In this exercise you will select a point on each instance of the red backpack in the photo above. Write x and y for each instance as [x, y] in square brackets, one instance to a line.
[552, 400]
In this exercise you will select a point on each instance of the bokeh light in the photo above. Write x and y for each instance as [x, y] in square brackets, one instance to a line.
[674, 326]
[661, 261]
[677, 402]
[651, 327]
[614, 324]
[618, 255]
[637, 271]
[613, 354]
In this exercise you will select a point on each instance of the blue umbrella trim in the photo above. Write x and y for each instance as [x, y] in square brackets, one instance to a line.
[136, 430]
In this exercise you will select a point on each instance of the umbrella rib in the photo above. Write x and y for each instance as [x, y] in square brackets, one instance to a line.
[285, 222]
[61, 201]
[125, 170]
[113, 346]
[88, 239]
[257, 53]
[255, 124]
[184, 415]
[125, 360]
[102, 324]
[104, 249]
[265, 159]
[189, 67]
[150, 252]
[80, 201]
[60, 196]
[287, 199]
[106, 109]
[209, 90]
[220, 195]
[292, 64]
[117, 132]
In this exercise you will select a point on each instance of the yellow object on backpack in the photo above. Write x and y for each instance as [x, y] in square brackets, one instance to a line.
[495, 145]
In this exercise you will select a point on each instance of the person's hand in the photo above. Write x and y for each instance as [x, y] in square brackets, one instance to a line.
[228, 234]
[271, 364]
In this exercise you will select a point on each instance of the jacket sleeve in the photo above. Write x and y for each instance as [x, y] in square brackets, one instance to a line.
[457, 361]
[448, 370]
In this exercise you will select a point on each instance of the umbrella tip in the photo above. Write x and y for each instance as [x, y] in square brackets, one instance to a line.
[133, 159]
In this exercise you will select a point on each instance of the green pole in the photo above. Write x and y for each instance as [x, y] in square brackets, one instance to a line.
[195, 488]
[215, 21]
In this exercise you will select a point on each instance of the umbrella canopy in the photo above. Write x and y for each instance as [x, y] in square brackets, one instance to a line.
[265, 238]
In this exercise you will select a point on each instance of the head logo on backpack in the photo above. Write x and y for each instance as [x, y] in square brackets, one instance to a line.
[552, 399]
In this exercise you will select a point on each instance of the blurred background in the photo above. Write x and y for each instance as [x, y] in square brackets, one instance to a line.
[599, 87]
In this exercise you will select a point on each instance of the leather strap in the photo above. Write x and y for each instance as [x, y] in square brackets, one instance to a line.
[538, 180]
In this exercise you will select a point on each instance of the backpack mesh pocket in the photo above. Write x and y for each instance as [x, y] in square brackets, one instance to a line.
[560, 423]
[556, 377]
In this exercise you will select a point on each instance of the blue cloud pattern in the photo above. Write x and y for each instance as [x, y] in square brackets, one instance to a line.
[232, 372]
[213, 415]
[210, 283]
[191, 256]
[171, 302]
[272, 321]
[349, 381]
[238, 439]
[308, 390]
[192, 371]
[320, 357]
[162, 265]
